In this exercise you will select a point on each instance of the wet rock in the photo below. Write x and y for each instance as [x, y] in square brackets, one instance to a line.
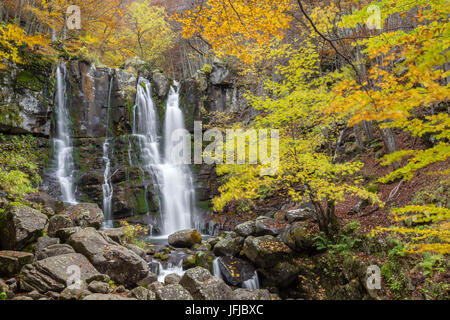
[203, 286]
[266, 251]
[86, 215]
[52, 274]
[20, 227]
[235, 271]
[172, 292]
[141, 293]
[58, 222]
[185, 238]
[229, 247]
[172, 278]
[189, 262]
[246, 229]
[99, 287]
[269, 227]
[282, 275]
[11, 262]
[54, 250]
[122, 265]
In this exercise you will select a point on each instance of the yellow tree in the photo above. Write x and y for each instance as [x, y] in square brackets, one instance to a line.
[407, 88]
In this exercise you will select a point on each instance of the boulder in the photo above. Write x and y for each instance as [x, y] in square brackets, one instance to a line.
[98, 287]
[161, 83]
[140, 252]
[229, 247]
[104, 297]
[172, 292]
[300, 237]
[269, 226]
[58, 222]
[246, 229]
[185, 238]
[246, 294]
[203, 286]
[86, 215]
[44, 242]
[141, 293]
[266, 251]
[299, 215]
[11, 262]
[220, 75]
[122, 265]
[20, 226]
[75, 292]
[282, 275]
[54, 250]
[66, 233]
[116, 234]
[172, 278]
[54, 273]
[235, 271]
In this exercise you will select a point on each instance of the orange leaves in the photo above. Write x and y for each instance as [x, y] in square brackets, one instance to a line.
[237, 28]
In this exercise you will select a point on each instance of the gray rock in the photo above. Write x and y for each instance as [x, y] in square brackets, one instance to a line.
[140, 252]
[185, 238]
[148, 280]
[54, 250]
[75, 293]
[54, 274]
[228, 247]
[99, 287]
[141, 293]
[246, 229]
[104, 297]
[116, 234]
[266, 251]
[203, 286]
[235, 271]
[22, 298]
[172, 292]
[246, 294]
[282, 275]
[269, 227]
[86, 215]
[58, 222]
[299, 237]
[44, 242]
[172, 278]
[299, 215]
[20, 227]
[11, 262]
[219, 74]
[99, 277]
[122, 265]
[161, 83]
[66, 233]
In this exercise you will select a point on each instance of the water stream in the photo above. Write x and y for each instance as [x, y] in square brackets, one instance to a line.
[62, 141]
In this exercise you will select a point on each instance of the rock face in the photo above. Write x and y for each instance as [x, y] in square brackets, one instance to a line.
[122, 265]
[54, 274]
[11, 262]
[21, 226]
[85, 215]
[265, 251]
[203, 286]
[185, 238]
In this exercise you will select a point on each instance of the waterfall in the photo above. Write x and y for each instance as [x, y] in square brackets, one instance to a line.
[173, 177]
[216, 269]
[178, 194]
[62, 143]
[107, 186]
[253, 283]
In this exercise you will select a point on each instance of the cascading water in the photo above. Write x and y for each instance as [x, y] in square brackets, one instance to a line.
[216, 269]
[178, 195]
[62, 143]
[107, 186]
[253, 283]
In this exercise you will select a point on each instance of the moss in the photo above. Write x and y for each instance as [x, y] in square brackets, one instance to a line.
[207, 68]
